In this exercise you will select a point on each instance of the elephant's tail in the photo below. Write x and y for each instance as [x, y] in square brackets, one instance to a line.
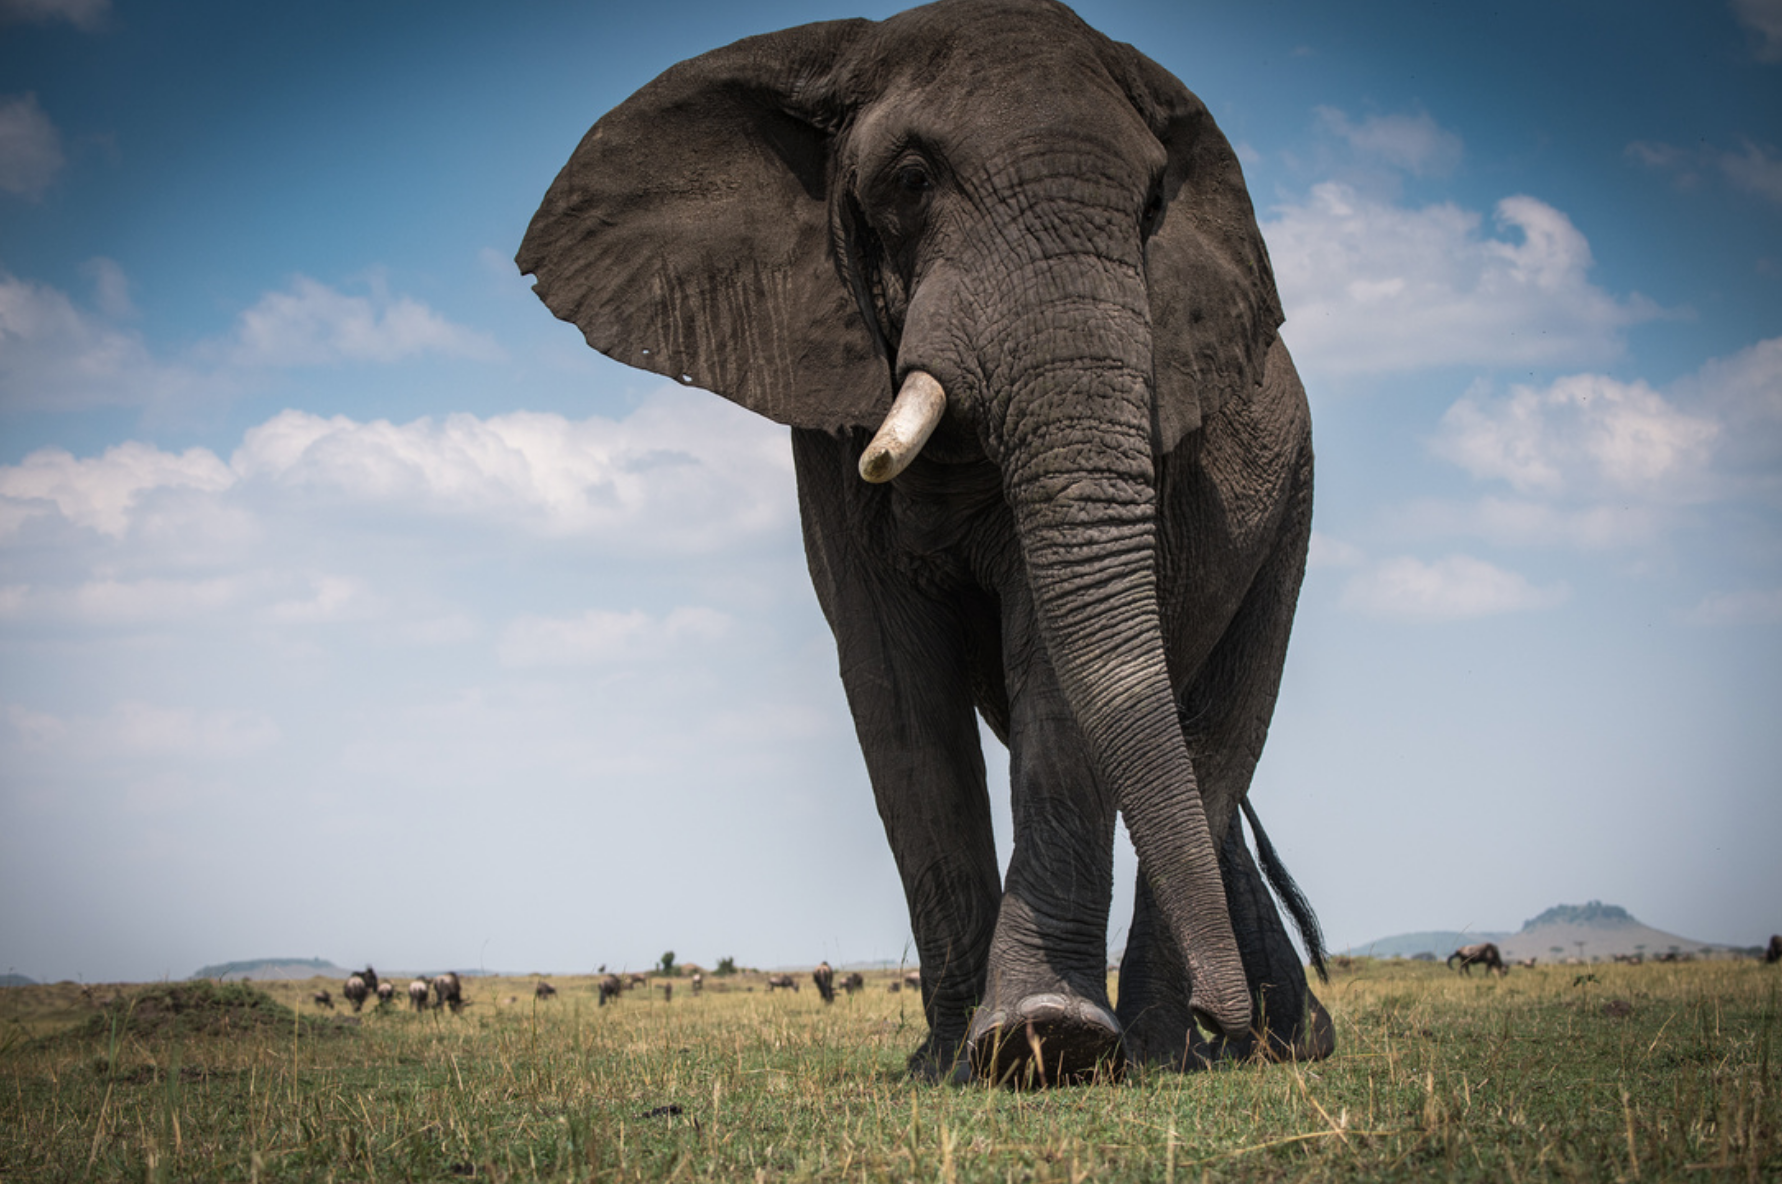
[1304, 919]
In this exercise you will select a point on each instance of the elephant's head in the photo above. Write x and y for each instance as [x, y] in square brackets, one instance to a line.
[993, 208]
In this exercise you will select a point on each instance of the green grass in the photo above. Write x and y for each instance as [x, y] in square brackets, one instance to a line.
[1640, 1072]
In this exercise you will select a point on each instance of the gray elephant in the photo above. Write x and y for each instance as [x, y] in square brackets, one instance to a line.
[1001, 277]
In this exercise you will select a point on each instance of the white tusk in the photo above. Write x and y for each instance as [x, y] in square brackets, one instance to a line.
[914, 415]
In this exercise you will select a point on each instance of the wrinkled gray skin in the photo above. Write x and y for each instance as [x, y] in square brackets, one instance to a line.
[1100, 548]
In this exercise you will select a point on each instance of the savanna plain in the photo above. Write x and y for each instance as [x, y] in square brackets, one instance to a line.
[1600, 1072]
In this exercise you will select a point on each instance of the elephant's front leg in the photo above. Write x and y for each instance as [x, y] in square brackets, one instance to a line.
[905, 666]
[1046, 1017]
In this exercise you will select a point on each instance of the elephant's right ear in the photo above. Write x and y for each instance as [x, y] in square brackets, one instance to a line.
[689, 234]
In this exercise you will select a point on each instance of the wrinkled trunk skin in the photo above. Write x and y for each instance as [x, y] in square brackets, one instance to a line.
[1069, 424]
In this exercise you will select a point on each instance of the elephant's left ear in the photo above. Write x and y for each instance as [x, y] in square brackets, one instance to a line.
[689, 234]
[1214, 308]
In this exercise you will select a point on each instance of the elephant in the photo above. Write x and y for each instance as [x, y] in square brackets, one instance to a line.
[824, 977]
[1483, 954]
[1001, 278]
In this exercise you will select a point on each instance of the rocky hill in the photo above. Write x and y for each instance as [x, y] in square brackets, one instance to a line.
[272, 968]
[1590, 931]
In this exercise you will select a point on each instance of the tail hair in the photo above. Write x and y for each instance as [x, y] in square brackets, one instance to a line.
[1298, 907]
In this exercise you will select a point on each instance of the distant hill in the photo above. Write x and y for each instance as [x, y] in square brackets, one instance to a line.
[273, 968]
[1590, 931]
[16, 980]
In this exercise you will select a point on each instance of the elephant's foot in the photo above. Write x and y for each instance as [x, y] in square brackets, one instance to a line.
[1044, 1040]
[940, 1061]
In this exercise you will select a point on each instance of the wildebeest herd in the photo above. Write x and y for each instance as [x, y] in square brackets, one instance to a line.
[447, 989]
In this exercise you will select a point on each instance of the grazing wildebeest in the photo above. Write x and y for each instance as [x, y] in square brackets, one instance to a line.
[638, 980]
[779, 981]
[1526, 963]
[417, 994]
[448, 991]
[824, 977]
[610, 987]
[360, 987]
[544, 990]
[386, 991]
[1630, 959]
[1483, 954]
[1774, 953]
[668, 992]
[853, 982]
[913, 980]
[323, 999]
[698, 982]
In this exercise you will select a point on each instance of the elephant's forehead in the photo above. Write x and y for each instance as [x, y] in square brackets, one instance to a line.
[991, 65]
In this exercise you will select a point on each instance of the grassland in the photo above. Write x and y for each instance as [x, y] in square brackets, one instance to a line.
[1565, 1073]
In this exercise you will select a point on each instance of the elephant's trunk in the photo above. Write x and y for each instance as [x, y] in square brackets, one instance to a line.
[1079, 473]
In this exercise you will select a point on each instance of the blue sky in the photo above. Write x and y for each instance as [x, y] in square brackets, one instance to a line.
[351, 606]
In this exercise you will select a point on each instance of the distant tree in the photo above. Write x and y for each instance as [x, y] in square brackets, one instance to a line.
[666, 966]
[1556, 950]
[726, 967]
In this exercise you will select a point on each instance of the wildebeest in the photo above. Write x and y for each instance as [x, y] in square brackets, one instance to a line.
[698, 982]
[448, 991]
[544, 990]
[638, 980]
[779, 981]
[1483, 954]
[824, 977]
[1526, 963]
[360, 987]
[323, 999]
[1633, 959]
[853, 982]
[1774, 953]
[668, 992]
[386, 991]
[417, 994]
[610, 987]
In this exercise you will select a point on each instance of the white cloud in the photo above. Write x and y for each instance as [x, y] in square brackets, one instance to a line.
[1615, 525]
[55, 355]
[152, 600]
[82, 14]
[1584, 430]
[1328, 552]
[101, 492]
[210, 735]
[1752, 606]
[313, 324]
[599, 636]
[1414, 143]
[30, 147]
[330, 599]
[1755, 169]
[1458, 587]
[1371, 287]
[684, 472]
[1763, 17]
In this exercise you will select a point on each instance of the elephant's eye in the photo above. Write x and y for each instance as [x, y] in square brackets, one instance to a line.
[913, 178]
